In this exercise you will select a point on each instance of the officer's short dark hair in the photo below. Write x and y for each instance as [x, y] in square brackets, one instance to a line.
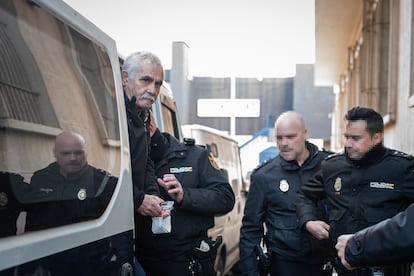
[375, 124]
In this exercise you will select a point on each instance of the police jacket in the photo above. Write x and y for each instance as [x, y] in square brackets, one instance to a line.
[143, 176]
[206, 193]
[360, 192]
[12, 189]
[387, 242]
[271, 199]
[57, 200]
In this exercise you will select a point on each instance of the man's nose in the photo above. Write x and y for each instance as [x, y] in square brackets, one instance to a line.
[284, 141]
[151, 88]
[348, 142]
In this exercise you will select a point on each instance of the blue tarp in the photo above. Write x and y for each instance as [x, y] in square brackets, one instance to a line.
[268, 153]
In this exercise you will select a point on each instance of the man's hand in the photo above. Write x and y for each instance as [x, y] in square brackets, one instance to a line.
[340, 248]
[318, 228]
[150, 206]
[172, 186]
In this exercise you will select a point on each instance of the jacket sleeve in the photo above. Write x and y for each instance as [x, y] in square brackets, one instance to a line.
[214, 195]
[307, 199]
[150, 185]
[251, 230]
[387, 242]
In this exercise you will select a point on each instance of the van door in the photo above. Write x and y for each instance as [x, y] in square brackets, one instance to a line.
[58, 72]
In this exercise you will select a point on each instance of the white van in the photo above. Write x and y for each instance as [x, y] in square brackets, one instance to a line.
[59, 72]
[225, 150]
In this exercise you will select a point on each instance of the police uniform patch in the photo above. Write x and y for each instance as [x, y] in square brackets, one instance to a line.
[82, 194]
[382, 185]
[403, 154]
[284, 185]
[213, 162]
[181, 169]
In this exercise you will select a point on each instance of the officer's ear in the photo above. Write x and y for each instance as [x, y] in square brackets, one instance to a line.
[377, 137]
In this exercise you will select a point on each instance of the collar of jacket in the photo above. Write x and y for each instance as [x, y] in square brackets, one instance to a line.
[174, 149]
[130, 103]
[159, 146]
[372, 156]
[131, 108]
[293, 165]
[54, 168]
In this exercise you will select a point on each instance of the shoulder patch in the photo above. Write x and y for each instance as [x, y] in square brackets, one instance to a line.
[189, 141]
[264, 163]
[402, 154]
[335, 155]
[327, 151]
[213, 162]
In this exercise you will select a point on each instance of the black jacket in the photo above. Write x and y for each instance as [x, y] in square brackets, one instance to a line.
[143, 175]
[54, 200]
[12, 189]
[387, 242]
[360, 193]
[206, 193]
[271, 199]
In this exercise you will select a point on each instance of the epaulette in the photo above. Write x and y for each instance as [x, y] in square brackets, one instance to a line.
[9, 174]
[333, 155]
[261, 165]
[102, 171]
[189, 141]
[402, 154]
[327, 151]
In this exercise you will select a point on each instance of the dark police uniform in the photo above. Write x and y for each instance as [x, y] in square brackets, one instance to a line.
[54, 200]
[57, 200]
[361, 193]
[388, 242]
[12, 189]
[271, 199]
[206, 193]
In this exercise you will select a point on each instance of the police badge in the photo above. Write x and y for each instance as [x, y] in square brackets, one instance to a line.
[284, 185]
[338, 186]
[82, 194]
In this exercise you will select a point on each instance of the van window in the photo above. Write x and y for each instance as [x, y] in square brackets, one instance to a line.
[53, 78]
[214, 150]
[169, 116]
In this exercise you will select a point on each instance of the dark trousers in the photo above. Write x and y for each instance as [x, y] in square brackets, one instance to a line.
[281, 267]
[157, 267]
[397, 270]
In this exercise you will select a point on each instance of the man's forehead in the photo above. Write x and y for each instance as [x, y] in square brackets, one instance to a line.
[359, 124]
[64, 150]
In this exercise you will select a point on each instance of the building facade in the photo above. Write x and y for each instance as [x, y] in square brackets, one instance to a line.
[373, 64]
[273, 95]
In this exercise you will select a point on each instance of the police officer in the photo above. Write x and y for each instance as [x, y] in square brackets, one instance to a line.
[189, 176]
[387, 242]
[364, 184]
[271, 200]
[70, 190]
[67, 190]
[12, 190]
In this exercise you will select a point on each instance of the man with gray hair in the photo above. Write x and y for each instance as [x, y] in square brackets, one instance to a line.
[142, 77]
